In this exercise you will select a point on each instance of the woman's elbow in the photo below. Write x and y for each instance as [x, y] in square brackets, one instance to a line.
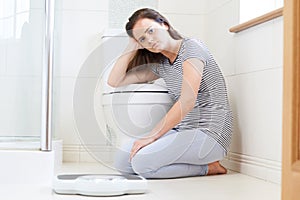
[112, 83]
[191, 104]
[188, 104]
[115, 81]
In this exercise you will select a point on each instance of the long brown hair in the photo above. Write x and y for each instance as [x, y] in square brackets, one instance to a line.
[143, 56]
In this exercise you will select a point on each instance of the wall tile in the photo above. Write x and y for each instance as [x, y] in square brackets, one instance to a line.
[211, 5]
[75, 119]
[256, 99]
[71, 153]
[220, 40]
[183, 7]
[79, 33]
[84, 104]
[254, 48]
[121, 10]
[84, 5]
[255, 8]
[277, 42]
[187, 25]
[64, 126]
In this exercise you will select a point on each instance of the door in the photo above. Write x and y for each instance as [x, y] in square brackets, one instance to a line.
[291, 102]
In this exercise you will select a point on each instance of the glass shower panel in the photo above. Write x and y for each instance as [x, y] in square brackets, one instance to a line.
[22, 33]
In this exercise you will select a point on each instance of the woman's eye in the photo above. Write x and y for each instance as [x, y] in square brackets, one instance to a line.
[142, 40]
[150, 31]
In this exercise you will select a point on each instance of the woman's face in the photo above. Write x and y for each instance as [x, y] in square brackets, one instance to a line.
[151, 35]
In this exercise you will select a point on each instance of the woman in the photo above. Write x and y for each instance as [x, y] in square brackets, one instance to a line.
[195, 133]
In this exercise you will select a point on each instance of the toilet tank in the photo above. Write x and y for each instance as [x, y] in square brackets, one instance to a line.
[113, 43]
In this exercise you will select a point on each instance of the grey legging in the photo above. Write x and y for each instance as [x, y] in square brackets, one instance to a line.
[176, 154]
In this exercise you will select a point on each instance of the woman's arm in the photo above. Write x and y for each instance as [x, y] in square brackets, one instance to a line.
[118, 75]
[192, 75]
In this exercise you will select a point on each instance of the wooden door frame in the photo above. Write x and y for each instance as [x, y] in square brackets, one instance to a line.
[291, 102]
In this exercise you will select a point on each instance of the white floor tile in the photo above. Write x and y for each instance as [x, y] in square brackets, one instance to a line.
[233, 186]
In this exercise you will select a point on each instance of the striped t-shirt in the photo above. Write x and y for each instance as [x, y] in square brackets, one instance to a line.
[211, 113]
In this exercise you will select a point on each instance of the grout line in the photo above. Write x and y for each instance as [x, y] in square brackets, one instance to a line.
[255, 71]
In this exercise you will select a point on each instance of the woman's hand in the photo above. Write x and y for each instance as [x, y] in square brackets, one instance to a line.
[138, 144]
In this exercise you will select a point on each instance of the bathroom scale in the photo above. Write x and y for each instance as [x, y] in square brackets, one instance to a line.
[99, 184]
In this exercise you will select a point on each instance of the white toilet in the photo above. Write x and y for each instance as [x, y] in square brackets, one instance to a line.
[134, 110]
[130, 111]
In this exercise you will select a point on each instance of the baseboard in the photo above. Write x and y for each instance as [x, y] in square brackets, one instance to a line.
[265, 169]
[88, 153]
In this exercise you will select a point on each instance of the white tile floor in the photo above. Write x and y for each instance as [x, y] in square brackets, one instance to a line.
[232, 186]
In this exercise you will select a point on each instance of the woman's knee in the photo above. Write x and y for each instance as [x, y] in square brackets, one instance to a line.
[140, 165]
[122, 163]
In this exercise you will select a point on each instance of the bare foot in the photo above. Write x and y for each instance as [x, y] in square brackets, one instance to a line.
[216, 168]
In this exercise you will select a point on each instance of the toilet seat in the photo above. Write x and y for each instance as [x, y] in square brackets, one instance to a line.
[137, 93]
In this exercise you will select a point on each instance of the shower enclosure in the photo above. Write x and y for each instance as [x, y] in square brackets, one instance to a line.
[27, 152]
[26, 28]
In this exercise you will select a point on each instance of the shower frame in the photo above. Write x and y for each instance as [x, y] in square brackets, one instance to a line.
[47, 78]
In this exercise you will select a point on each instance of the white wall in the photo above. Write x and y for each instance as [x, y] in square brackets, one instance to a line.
[78, 25]
[187, 17]
[252, 62]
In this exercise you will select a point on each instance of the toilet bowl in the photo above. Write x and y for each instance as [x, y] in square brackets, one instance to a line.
[132, 111]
